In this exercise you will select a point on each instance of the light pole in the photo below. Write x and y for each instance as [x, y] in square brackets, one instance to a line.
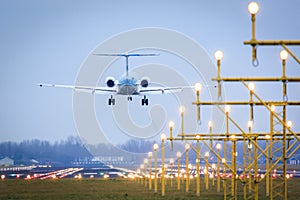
[171, 126]
[219, 146]
[273, 109]
[233, 165]
[145, 164]
[255, 167]
[219, 56]
[224, 177]
[138, 171]
[163, 137]
[213, 167]
[284, 56]
[182, 109]
[150, 170]
[155, 147]
[198, 88]
[249, 162]
[187, 146]
[250, 124]
[198, 165]
[251, 88]
[178, 154]
[268, 137]
[253, 9]
[142, 166]
[289, 125]
[210, 126]
[227, 110]
[171, 166]
[206, 169]
[245, 167]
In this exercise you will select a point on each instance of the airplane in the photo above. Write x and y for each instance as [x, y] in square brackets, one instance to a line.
[128, 86]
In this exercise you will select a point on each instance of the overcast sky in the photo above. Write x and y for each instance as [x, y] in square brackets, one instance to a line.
[47, 41]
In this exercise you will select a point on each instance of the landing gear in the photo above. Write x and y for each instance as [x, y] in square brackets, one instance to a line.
[111, 101]
[145, 101]
[129, 98]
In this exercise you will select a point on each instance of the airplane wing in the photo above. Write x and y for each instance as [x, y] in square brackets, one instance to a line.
[161, 90]
[82, 88]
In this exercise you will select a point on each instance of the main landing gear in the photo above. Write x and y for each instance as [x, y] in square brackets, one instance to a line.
[145, 101]
[111, 101]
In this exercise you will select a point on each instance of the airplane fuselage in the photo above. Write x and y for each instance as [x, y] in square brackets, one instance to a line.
[128, 87]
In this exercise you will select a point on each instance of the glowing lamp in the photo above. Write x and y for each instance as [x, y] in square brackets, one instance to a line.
[283, 55]
[206, 154]
[171, 161]
[210, 124]
[163, 136]
[181, 109]
[178, 154]
[251, 86]
[273, 108]
[198, 87]
[250, 124]
[227, 109]
[253, 8]
[249, 146]
[289, 124]
[219, 55]
[233, 137]
[219, 146]
[187, 146]
[171, 124]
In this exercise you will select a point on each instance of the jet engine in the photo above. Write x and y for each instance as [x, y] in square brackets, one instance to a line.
[110, 81]
[145, 81]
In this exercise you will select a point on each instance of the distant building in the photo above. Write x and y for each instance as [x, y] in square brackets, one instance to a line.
[6, 161]
[295, 160]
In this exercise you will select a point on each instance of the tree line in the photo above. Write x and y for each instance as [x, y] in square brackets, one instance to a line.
[64, 152]
[44, 152]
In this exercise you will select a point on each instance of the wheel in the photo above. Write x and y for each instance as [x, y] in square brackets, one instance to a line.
[145, 102]
[111, 101]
